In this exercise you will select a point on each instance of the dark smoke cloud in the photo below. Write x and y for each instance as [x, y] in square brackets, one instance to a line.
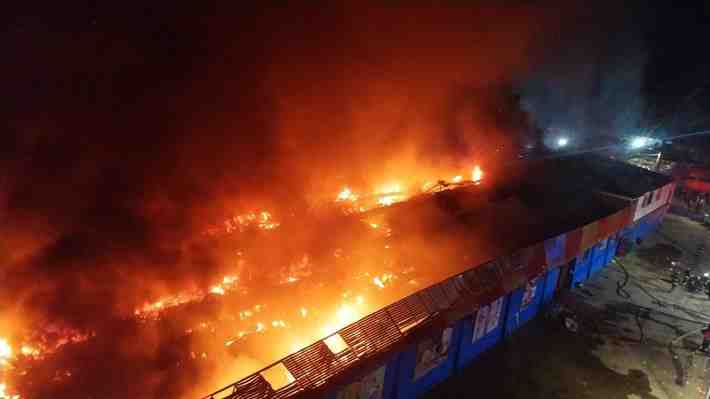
[134, 128]
[590, 88]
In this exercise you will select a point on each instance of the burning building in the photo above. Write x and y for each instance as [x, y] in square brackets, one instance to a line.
[508, 247]
[379, 274]
[186, 201]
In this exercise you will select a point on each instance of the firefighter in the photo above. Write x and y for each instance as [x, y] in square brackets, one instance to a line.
[706, 339]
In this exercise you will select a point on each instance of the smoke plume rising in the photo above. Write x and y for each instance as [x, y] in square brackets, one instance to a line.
[134, 130]
[590, 88]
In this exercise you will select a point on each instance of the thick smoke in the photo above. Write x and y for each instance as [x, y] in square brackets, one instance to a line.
[590, 88]
[135, 129]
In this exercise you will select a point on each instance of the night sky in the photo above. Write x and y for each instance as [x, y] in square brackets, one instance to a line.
[678, 69]
[80, 67]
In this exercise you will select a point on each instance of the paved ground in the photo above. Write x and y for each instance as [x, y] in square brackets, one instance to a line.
[628, 346]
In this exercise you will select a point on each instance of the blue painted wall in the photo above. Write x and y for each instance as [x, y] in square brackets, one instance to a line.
[399, 379]
[555, 249]
[551, 278]
[599, 256]
[581, 267]
[390, 382]
[611, 246]
[469, 350]
[631, 232]
[408, 386]
[518, 315]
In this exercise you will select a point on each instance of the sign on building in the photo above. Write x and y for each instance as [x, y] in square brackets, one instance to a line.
[432, 352]
[529, 294]
[370, 386]
[487, 319]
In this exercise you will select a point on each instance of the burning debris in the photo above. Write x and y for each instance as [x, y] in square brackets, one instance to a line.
[225, 226]
[299, 320]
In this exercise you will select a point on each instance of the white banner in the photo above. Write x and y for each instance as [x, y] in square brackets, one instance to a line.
[494, 315]
[487, 319]
[479, 325]
[432, 352]
[529, 295]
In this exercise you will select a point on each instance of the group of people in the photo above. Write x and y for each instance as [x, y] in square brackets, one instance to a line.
[695, 202]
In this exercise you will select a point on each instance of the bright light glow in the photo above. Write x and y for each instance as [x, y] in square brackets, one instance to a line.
[706, 274]
[278, 376]
[390, 193]
[562, 141]
[386, 201]
[346, 314]
[381, 281]
[639, 141]
[389, 188]
[477, 174]
[4, 394]
[29, 351]
[336, 343]
[346, 195]
[457, 179]
[217, 290]
[427, 185]
[5, 349]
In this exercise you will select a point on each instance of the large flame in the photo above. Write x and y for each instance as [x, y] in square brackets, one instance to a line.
[6, 357]
[285, 326]
[5, 350]
[476, 174]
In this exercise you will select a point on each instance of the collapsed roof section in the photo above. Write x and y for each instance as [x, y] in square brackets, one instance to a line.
[481, 241]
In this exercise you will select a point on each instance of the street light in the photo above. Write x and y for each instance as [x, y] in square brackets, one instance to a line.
[639, 141]
[562, 141]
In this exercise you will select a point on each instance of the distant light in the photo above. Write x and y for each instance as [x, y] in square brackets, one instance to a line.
[562, 141]
[706, 274]
[639, 141]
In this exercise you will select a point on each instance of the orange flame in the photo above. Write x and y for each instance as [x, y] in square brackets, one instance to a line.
[346, 195]
[476, 174]
[5, 350]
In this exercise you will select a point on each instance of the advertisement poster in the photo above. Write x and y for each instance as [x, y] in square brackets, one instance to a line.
[480, 323]
[529, 294]
[494, 315]
[370, 386]
[432, 352]
[487, 319]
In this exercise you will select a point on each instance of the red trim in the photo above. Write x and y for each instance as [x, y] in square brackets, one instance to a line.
[698, 185]
[589, 236]
[574, 239]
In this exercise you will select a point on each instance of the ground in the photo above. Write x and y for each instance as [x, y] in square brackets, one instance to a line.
[631, 343]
